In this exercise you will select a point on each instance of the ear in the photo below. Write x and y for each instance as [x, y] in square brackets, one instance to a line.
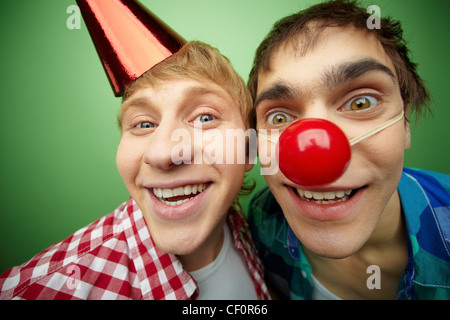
[407, 128]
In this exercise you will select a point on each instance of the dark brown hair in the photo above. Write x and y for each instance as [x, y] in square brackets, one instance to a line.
[300, 30]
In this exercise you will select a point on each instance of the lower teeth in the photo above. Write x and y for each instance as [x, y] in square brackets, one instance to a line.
[344, 198]
[174, 203]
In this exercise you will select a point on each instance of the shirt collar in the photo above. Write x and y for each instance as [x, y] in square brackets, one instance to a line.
[160, 275]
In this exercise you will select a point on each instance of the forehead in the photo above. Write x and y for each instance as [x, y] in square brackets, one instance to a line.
[333, 46]
[176, 90]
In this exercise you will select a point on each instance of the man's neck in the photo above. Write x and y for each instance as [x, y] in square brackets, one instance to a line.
[353, 277]
[206, 253]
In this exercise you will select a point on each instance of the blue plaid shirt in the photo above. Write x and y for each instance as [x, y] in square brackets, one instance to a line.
[425, 198]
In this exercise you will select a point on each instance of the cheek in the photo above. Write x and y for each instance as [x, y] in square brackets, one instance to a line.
[231, 177]
[384, 152]
[267, 153]
[128, 161]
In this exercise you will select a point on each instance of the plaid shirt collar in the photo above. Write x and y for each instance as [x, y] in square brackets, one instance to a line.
[117, 259]
[160, 275]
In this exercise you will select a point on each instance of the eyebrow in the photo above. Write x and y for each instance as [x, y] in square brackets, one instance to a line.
[189, 91]
[133, 102]
[281, 90]
[146, 101]
[201, 91]
[336, 76]
[346, 72]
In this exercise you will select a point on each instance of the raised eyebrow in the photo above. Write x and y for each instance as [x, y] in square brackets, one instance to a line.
[135, 102]
[280, 90]
[343, 73]
[200, 91]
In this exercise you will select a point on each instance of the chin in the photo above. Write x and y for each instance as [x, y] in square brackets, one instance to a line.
[171, 241]
[334, 253]
[331, 245]
[175, 246]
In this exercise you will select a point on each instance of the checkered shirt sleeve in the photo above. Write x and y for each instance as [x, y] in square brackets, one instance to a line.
[114, 258]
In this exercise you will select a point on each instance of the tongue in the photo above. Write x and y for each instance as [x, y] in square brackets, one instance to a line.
[178, 198]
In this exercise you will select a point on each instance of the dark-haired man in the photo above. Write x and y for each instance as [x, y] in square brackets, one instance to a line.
[380, 231]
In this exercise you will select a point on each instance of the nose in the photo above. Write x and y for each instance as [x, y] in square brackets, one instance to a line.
[313, 152]
[169, 146]
[316, 109]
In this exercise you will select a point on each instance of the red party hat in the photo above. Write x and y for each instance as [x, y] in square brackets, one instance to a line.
[129, 39]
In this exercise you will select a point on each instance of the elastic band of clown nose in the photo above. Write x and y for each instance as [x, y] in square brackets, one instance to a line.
[366, 135]
[377, 129]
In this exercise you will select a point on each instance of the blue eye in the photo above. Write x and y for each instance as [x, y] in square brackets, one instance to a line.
[145, 125]
[204, 118]
[360, 103]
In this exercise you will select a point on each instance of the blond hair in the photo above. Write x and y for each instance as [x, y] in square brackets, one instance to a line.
[198, 61]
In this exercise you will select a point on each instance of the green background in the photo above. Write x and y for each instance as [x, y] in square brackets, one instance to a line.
[58, 115]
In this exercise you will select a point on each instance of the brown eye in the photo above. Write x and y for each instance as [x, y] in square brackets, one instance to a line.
[278, 118]
[362, 103]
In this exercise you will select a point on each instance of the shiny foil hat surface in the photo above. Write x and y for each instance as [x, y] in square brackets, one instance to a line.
[129, 39]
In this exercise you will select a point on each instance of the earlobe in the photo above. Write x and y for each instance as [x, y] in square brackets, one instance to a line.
[408, 136]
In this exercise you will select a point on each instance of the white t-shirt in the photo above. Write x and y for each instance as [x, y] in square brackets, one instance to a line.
[320, 292]
[227, 277]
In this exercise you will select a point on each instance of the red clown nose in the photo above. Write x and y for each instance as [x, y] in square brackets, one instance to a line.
[313, 152]
[129, 39]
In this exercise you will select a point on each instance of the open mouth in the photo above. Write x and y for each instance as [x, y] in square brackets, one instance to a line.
[179, 195]
[328, 197]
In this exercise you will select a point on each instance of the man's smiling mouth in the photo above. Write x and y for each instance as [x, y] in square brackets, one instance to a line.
[327, 197]
[179, 195]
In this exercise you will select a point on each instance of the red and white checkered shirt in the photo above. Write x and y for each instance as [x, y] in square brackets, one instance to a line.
[116, 258]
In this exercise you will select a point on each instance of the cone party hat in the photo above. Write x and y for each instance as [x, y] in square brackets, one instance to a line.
[129, 39]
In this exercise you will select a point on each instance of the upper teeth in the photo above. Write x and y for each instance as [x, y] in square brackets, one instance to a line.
[327, 197]
[162, 193]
